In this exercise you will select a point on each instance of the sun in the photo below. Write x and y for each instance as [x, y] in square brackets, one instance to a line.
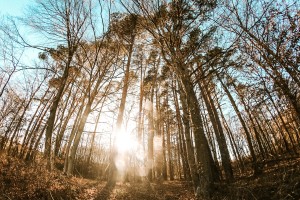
[125, 142]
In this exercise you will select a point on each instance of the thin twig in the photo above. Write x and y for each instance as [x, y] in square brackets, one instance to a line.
[51, 195]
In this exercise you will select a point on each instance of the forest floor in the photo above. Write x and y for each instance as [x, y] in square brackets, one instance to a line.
[19, 180]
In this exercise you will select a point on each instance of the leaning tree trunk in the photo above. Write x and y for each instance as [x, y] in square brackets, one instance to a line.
[63, 123]
[33, 119]
[218, 129]
[205, 185]
[248, 136]
[52, 115]
[77, 138]
[82, 122]
[72, 135]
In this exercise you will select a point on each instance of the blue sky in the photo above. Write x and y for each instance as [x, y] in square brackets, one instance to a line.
[17, 8]
[13, 7]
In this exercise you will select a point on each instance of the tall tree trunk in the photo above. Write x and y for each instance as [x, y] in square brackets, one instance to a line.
[179, 162]
[33, 118]
[94, 134]
[168, 132]
[208, 169]
[263, 132]
[151, 130]
[82, 122]
[34, 131]
[140, 105]
[211, 139]
[21, 118]
[188, 141]
[271, 129]
[218, 129]
[63, 123]
[248, 136]
[52, 115]
[281, 132]
[5, 139]
[164, 168]
[34, 151]
[257, 135]
[72, 135]
[183, 152]
[158, 129]
[231, 139]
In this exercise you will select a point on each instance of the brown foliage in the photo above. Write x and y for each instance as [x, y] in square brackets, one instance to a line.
[280, 179]
[20, 180]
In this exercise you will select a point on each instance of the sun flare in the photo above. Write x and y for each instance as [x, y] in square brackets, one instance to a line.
[127, 147]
